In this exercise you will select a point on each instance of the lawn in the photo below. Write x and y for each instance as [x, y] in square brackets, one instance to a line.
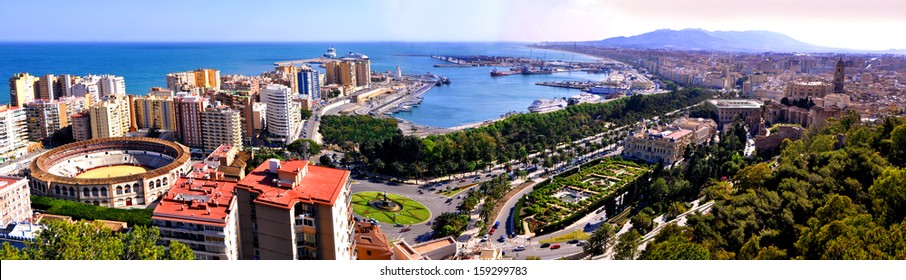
[413, 212]
[578, 235]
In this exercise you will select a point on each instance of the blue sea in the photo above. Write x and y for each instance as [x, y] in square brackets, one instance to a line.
[472, 96]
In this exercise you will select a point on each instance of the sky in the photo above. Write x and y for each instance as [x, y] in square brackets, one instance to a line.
[854, 24]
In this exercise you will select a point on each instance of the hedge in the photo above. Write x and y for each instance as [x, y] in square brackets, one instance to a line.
[82, 211]
[517, 213]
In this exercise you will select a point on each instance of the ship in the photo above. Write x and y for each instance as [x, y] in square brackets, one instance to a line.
[547, 105]
[331, 53]
[495, 73]
[583, 98]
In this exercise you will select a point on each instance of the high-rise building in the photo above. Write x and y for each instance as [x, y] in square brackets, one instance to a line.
[13, 131]
[46, 117]
[290, 74]
[220, 125]
[124, 106]
[179, 80]
[207, 78]
[63, 87]
[15, 200]
[201, 214]
[243, 102]
[341, 72]
[109, 85]
[290, 210]
[81, 126]
[46, 88]
[106, 120]
[23, 88]
[284, 116]
[195, 80]
[309, 83]
[154, 111]
[363, 72]
[189, 119]
[87, 86]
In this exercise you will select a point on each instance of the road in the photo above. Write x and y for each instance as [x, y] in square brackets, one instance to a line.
[435, 202]
[532, 244]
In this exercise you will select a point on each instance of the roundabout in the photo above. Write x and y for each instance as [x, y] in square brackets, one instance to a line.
[389, 208]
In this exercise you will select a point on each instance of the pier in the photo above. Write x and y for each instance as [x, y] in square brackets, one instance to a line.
[317, 60]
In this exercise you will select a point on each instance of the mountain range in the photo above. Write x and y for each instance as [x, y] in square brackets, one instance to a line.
[738, 41]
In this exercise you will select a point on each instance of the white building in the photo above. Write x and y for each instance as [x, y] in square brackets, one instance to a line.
[13, 132]
[112, 85]
[284, 116]
[201, 214]
[15, 200]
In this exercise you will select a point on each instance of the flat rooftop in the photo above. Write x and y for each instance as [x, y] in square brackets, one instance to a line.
[736, 103]
[197, 201]
[320, 184]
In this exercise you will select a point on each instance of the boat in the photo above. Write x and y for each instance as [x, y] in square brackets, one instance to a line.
[547, 105]
[331, 53]
[583, 98]
[495, 73]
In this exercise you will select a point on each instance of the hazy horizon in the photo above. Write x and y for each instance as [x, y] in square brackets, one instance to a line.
[857, 25]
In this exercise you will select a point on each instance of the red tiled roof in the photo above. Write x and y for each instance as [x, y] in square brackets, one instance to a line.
[9, 181]
[320, 185]
[197, 201]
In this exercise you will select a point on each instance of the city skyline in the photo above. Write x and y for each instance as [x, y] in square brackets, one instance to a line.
[851, 25]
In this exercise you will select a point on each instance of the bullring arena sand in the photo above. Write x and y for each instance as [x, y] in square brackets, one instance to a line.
[112, 171]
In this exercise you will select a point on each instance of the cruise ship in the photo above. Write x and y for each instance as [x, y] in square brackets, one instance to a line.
[583, 98]
[331, 53]
[547, 105]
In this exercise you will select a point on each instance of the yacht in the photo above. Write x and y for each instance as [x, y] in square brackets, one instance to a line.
[547, 105]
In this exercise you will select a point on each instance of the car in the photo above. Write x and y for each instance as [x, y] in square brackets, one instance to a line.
[489, 175]
[496, 224]
[519, 248]
[502, 238]
[432, 189]
[449, 200]
[574, 241]
[462, 181]
[545, 245]
[398, 225]
[484, 238]
[405, 229]
[582, 243]
[555, 246]
[491, 231]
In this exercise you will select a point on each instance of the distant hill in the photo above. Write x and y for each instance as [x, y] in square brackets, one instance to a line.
[698, 39]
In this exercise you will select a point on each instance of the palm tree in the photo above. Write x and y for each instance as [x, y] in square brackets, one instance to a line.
[601, 239]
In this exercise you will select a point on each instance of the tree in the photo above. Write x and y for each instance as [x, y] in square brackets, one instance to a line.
[140, 244]
[82, 240]
[627, 247]
[673, 244]
[8, 252]
[601, 239]
[306, 113]
[304, 148]
[889, 195]
[325, 160]
[898, 145]
[449, 224]
[179, 251]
